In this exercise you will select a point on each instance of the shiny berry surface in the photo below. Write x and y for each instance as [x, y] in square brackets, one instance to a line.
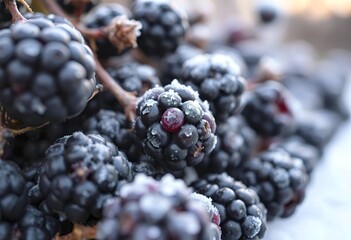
[172, 119]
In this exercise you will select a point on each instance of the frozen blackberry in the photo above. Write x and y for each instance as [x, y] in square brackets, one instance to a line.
[267, 110]
[172, 66]
[100, 17]
[235, 140]
[242, 214]
[116, 128]
[150, 209]
[77, 6]
[218, 80]
[13, 193]
[79, 173]
[47, 73]
[163, 27]
[135, 77]
[297, 148]
[175, 126]
[36, 225]
[279, 179]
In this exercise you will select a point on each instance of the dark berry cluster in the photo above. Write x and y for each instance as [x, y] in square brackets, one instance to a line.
[279, 179]
[175, 126]
[46, 72]
[163, 27]
[242, 214]
[150, 209]
[79, 173]
[218, 80]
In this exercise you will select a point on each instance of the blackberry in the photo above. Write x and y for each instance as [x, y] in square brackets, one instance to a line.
[297, 148]
[13, 193]
[218, 80]
[36, 225]
[79, 173]
[235, 141]
[135, 77]
[77, 6]
[268, 12]
[47, 73]
[150, 209]
[317, 127]
[266, 110]
[242, 214]
[279, 179]
[175, 126]
[163, 27]
[100, 17]
[116, 128]
[172, 66]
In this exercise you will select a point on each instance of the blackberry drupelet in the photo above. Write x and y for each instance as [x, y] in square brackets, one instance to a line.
[150, 209]
[235, 142]
[135, 77]
[279, 179]
[46, 72]
[218, 80]
[77, 6]
[36, 225]
[100, 17]
[172, 66]
[79, 173]
[242, 214]
[175, 126]
[116, 128]
[13, 196]
[163, 27]
[266, 110]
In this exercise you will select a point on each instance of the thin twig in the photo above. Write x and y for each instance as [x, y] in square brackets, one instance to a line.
[11, 5]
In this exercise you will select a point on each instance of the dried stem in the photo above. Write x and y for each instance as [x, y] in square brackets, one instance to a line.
[126, 99]
[79, 232]
[11, 5]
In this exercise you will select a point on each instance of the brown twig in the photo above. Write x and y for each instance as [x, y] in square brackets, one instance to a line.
[11, 5]
[126, 99]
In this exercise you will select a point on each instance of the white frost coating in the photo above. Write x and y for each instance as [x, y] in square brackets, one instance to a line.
[253, 224]
[204, 201]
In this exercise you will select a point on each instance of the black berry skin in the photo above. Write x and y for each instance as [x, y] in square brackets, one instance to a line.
[13, 193]
[279, 179]
[235, 142]
[79, 173]
[163, 27]
[243, 216]
[218, 80]
[150, 209]
[100, 17]
[116, 128]
[172, 66]
[175, 126]
[135, 77]
[267, 111]
[47, 73]
[71, 8]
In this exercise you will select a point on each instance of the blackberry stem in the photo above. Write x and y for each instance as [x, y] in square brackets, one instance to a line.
[11, 5]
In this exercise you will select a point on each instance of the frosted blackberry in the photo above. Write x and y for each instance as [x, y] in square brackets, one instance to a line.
[242, 214]
[218, 80]
[170, 123]
[36, 225]
[116, 128]
[279, 179]
[172, 66]
[79, 173]
[135, 77]
[100, 17]
[235, 142]
[150, 209]
[47, 72]
[163, 27]
[13, 193]
[266, 110]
